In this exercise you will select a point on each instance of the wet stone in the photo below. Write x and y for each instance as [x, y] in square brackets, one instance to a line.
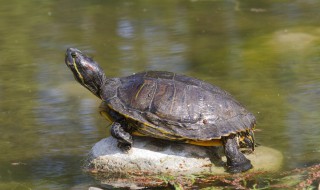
[151, 161]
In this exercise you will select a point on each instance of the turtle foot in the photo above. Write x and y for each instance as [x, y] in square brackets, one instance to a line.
[240, 167]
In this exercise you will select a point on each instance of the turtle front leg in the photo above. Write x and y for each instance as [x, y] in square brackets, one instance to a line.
[124, 138]
[236, 161]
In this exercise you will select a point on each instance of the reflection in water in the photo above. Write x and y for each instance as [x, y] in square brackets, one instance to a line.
[303, 119]
[52, 105]
[63, 123]
[49, 110]
[64, 120]
[127, 32]
[126, 29]
[234, 41]
[154, 40]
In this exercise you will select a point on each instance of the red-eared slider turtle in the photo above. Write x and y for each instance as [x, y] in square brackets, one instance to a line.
[168, 106]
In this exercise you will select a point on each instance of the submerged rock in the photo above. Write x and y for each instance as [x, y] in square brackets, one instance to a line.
[159, 159]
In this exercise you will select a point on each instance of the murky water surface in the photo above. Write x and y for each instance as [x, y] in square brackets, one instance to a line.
[267, 54]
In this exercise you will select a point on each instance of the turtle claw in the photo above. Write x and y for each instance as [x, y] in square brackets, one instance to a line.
[124, 147]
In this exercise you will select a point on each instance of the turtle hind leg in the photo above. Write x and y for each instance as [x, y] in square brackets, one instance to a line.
[236, 161]
[124, 138]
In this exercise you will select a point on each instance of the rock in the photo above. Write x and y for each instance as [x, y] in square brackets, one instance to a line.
[289, 41]
[153, 157]
[94, 188]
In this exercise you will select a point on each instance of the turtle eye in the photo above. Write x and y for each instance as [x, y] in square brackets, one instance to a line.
[73, 54]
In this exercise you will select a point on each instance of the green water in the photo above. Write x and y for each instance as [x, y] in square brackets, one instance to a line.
[267, 54]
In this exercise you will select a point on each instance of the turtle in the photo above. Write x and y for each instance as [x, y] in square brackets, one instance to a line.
[168, 106]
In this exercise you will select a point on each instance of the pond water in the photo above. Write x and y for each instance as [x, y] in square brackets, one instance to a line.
[267, 54]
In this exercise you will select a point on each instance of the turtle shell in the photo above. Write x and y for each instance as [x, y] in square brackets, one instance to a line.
[175, 107]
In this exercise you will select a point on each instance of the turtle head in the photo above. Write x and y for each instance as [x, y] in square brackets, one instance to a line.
[85, 70]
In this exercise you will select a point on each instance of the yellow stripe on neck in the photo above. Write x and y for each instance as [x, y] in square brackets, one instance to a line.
[79, 74]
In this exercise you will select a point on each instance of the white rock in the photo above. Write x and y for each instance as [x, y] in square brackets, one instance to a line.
[150, 156]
